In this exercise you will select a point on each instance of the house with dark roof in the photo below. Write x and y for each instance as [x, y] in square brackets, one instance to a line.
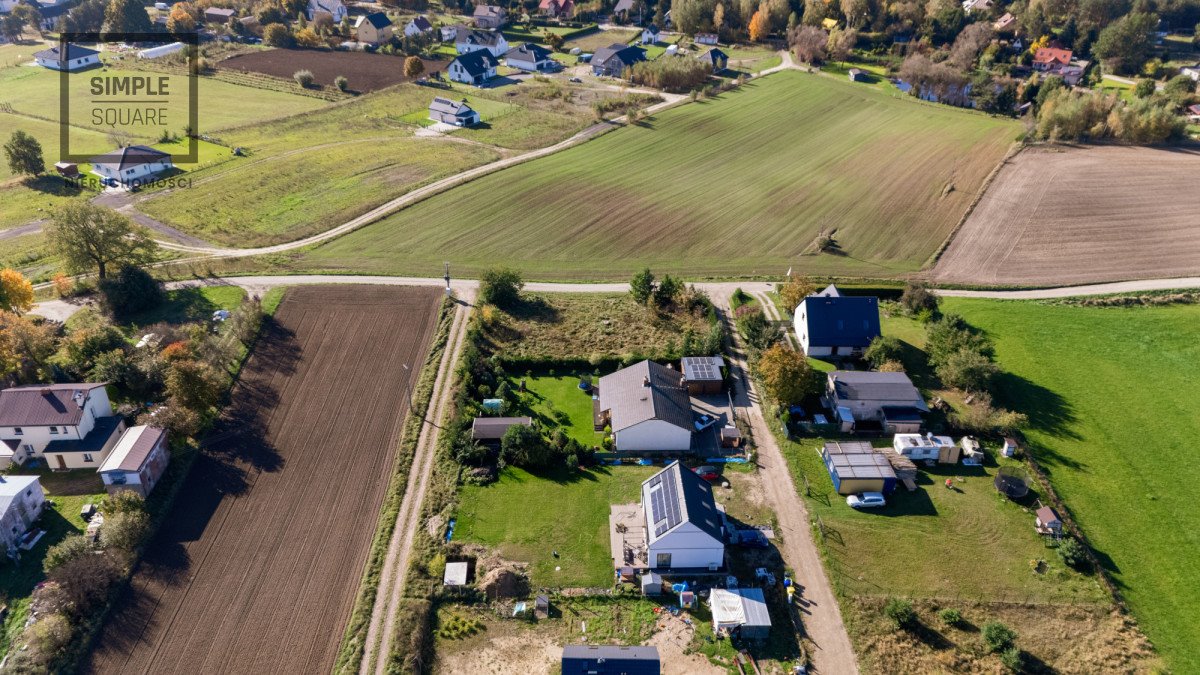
[650, 34]
[70, 58]
[137, 461]
[530, 58]
[685, 529]
[623, 8]
[715, 59]
[131, 166]
[418, 26]
[72, 426]
[557, 9]
[374, 28]
[493, 428]
[831, 324]
[334, 8]
[889, 398]
[648, 408]
[489, 16]
[457, 113]
[21, 503]
[218, 15]
[475, 67]
[467, 40]
[610, 660]
[612, 60]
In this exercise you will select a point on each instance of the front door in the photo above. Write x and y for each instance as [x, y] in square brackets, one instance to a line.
[62, 463]
[663, 560]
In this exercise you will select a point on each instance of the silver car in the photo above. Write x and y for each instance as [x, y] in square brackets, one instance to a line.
[867, 500]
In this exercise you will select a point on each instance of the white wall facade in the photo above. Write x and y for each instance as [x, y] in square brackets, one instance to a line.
[72, 65]
[653, 436]
[33, 440]
[138, 173]
[689, 547]
[25, 508]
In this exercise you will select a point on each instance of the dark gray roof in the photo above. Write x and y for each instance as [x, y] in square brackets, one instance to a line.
[609, 660]
[714, 56]
[71, 53]
[95, 441]
[378, 19]
[40, 405]
[701, 368]
[477, 62]
[493, 428]
[645, 391]
[864, 385]
[626, 54]
[131, 156]
[445, 105]
[902, 413]
[841, 321]
[676, 495]
[472, 36]
[528, 52]
[488, 10]
[422, 23]
[852, 460]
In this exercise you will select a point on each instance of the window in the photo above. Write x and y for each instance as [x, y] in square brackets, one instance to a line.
[27, 448]
[17, 431]
[118, 479]
[87, 457]
[662, 560]
[54, 430]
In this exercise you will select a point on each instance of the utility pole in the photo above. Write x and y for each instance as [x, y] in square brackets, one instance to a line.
[447, 279]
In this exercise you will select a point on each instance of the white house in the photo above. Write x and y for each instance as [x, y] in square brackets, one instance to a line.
[475, 67]
[830, 324]
[71, 58]
[333, 8]
[21, 502]
[1191, 71]
[467, 40]
[71, 425]
[869, 395]
[374, 28]
[529, 57]
[650, 34]
[418, 26]
[6, 6]
[648, 407]
[489, 16]
[137, 462]
[684, 527]
[457, 113]
[926, 448]
[131, 166]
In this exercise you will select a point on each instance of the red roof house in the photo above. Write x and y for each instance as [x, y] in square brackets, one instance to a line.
[562, 9]
[1051, 58]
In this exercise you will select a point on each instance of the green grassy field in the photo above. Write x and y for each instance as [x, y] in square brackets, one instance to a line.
[557, 401]
[13, 55]
[593, 41]
[560, 511]
[83, 141]
[1111, 394]
[705, 189]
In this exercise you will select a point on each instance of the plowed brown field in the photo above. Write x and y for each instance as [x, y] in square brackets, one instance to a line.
[1057, 216]
[255, 569]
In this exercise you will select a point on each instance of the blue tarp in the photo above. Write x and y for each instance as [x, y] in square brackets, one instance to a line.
[450, 529]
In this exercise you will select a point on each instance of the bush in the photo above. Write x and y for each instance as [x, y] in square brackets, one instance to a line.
[124, 531]
[671, 74]
[967, 370]
[130, 291]
[901, 613]
[304, 78]
[125, 501]
[341, 82]
[917, 298]
[524, 446]
[72, 547]
[951, 617]
[1073, 553]
[1013, 659]
[276, 35]
[997, 637]
[883, 349]
[501, 287]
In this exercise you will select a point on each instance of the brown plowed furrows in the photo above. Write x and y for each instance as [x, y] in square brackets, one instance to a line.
[1057, 216]
[256, 567]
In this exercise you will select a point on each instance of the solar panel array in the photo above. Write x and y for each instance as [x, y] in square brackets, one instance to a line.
[664, 506]
[702, 368]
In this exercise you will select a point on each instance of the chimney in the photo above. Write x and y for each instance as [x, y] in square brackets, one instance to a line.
[646, 381]
[78, 397]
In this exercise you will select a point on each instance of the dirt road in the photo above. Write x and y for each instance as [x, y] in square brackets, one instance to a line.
[395, 566]
[815, 600]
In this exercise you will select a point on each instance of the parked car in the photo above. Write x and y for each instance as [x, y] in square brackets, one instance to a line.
[705, 422]
[750, 539]
[707, 472]
[867, 500]
[576, 80]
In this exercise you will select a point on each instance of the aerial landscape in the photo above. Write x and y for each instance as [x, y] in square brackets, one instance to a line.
[613, 337]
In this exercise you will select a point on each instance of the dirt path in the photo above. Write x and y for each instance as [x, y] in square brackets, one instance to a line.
[815, 599]
[395, 565]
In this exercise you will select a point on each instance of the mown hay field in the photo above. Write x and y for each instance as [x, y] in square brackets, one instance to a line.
[1060, 216]
[741, 184]
[256, 567]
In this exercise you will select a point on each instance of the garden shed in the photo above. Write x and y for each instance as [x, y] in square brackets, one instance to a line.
[652, 584]
[856, 467]
[741, 612]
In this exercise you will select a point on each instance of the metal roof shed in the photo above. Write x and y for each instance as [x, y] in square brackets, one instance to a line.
[605, 660]
[741, 610]
[456, 574]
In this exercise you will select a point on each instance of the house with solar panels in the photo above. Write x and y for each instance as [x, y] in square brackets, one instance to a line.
[685, 529]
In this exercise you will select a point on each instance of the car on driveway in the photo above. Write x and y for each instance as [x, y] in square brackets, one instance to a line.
[707, 472]
[705, 421]
[575, 80]
[867, 500]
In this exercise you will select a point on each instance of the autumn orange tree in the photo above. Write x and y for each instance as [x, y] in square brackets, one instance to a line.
[16, 293]
[760, 24]
[413, 67]
[793, 291]
[785, 374]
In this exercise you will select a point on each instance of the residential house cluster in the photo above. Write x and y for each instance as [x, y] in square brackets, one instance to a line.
[1056, 61]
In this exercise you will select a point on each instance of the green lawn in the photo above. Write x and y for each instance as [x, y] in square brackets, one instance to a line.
[83, 141]
[1111, 394]
[706, 189]
[69, 492]
[13, 55]
[593, 41]
[526, 517]
[186, 305]
[558, 402]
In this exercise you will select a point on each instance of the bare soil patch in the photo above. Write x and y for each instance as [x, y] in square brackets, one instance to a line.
[1060, 216]
[256, 568]
[366, 72]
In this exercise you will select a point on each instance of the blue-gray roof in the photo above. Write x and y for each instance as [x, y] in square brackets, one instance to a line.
[477, 62]
[677, 495]
[610, 660]
[842, 321]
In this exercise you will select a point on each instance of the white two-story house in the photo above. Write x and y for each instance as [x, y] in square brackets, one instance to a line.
[21, 501]
[71, 426]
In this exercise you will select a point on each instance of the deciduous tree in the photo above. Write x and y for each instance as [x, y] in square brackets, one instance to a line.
[760, 24]
[501, 287]
[809, 43]
[413, 67]
[24, 154]
[793, 291]
[194, 384]
[786, 376]
[16, 293]
[127, 16]
[642, 286]
[92, 237]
